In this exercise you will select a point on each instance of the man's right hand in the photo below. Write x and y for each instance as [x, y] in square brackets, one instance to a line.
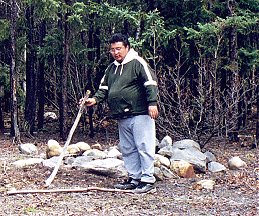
[87, 102]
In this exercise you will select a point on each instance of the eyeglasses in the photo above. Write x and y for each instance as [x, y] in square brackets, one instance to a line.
[113, 50]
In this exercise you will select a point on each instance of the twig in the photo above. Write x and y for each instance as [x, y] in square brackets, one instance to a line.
[75, 190]
[5, 167]
[54, 172]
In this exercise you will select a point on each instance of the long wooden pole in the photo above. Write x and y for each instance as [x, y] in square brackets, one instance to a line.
[71, 132]
[74, 190]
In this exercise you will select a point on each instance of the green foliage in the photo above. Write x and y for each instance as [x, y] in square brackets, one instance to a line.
[4, 79]
[4, 29]
[45, 9]
[122, 14]
[250, 57]
[53, 43]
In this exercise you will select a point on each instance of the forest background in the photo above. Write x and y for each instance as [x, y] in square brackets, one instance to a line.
[204, 52]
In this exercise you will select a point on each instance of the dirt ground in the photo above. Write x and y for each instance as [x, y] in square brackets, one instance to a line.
[235, 192]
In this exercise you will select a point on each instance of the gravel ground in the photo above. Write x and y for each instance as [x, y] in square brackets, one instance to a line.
[235, 192]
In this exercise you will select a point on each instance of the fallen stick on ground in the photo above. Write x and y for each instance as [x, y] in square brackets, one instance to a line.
[75, 190]
[71, 132]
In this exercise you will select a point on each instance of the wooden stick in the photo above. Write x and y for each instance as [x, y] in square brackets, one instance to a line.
[72, 130]
[75, 190]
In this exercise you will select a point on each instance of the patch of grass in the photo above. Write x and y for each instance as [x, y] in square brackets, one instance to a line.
[30, 209]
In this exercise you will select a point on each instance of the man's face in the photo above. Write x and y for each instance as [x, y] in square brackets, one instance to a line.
[118, 51]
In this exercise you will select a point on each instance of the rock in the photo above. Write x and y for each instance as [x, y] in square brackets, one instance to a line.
[73, 149]
[53, 149]
[191, 155]
[216, 167]
[51, 162]
[166, 151]
[183, 169]
[186, 143]
[210, 157]
[207, 184]
[69, 160]
[28, 148]
[158, 174]
[236, 163]
[157, 163]
[97, 146]
[83, 146]
[95, 153]
[167, 173]
[166, 141]
[79, 161]
[114, 153]
[109, 167]
[161, 160]
[27, 162]
[50, 115]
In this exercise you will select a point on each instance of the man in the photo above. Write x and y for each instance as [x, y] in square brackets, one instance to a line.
[131, 89]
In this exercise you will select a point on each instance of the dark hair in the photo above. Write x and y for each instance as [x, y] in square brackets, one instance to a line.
[118, 37]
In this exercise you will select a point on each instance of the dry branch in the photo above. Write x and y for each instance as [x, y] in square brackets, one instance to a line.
[71, 132]
[74, 190]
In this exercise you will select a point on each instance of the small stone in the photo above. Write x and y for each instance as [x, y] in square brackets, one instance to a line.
[216, 167]
[209, 156]
[97, 146]
[28, 148]
[161, 160]
[207, 184]
[236, 163]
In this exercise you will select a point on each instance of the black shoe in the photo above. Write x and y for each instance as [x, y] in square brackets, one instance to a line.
[129, 184]
[145, 187]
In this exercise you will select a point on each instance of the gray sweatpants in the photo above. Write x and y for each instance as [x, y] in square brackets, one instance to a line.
[137, 145]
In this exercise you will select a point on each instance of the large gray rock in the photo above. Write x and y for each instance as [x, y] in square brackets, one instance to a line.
[96, 153]
[51, 162]
[81, 160]
[108, 167]
[186, 143]
[191, 155]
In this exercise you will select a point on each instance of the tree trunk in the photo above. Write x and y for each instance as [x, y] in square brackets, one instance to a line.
[30, 103]
[1, 115]
[90, 70]
[237, 76]
[41, 79]
[257, 112]
[15, 133]
[63, 78]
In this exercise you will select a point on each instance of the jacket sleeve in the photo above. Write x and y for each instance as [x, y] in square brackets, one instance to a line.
[150, 82]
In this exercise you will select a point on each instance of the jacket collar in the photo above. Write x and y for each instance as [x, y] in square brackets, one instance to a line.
[132, 54]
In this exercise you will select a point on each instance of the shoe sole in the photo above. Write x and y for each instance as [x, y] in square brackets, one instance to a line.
[153, 190]
[124, 188]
